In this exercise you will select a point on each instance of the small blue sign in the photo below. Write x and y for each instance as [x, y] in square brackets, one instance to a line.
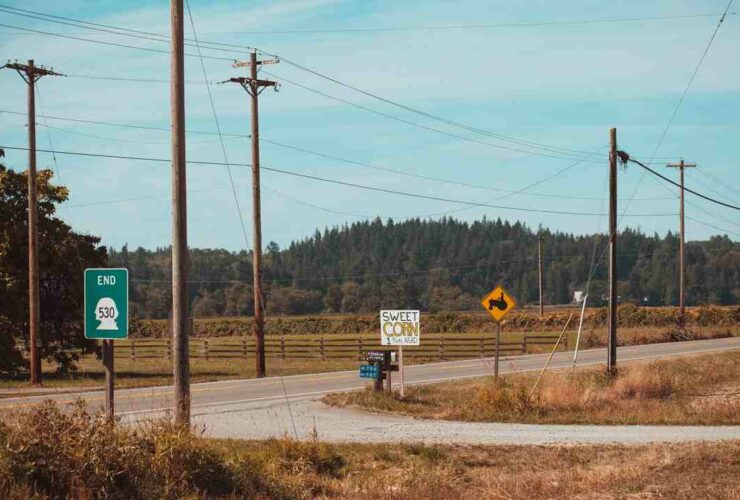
[369, 371]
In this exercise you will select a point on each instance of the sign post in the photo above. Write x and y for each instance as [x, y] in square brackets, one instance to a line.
[106, 318]
[400, 328]
[497, 303]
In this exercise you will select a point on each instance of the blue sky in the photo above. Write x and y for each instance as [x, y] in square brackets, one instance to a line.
[561, 85]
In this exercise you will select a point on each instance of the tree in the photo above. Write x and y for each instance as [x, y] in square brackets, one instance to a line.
[63, 255]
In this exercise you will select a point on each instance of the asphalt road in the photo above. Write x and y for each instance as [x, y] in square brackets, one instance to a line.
[243, 395]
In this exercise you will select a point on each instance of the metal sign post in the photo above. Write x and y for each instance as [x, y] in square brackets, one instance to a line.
[498, 303]
[400, 369]
[498, 348]
[106, 318]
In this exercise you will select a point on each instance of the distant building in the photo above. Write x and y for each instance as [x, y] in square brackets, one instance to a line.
[578, 296]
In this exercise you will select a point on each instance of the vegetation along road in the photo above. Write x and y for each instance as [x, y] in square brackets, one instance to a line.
[274, 407]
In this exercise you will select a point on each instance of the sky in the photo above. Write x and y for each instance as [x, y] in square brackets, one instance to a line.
[526, 74]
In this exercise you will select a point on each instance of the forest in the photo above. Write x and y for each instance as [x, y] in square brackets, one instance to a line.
[442, 265]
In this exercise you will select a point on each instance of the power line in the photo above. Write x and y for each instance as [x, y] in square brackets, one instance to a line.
[436, 117]
[160, 38]
[430, 178]
[625, 157]
[101, 42]
[693, 76]
[116, 30]
[218, 129]
[727, 231]
[716, 179]
[300, 149]
[121, 125]
[414, 124]
[339, 182]
[463, 27]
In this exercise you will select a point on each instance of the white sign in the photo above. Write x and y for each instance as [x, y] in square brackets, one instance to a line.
[399, 327]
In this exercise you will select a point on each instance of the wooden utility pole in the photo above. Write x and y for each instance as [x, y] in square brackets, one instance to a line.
[539, 274]
[180, 309]
[682, 247]
[30, 74]
[254, 88]
[612, 321]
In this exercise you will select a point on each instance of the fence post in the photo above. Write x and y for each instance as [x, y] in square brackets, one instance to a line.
[524, 344]
[169, 349]
[442, 347]
[482, 351]
[566, 341]
[205, 348]
[133, 350]
[282, 347]
[321, 347]
[359, 348]
[244, 347]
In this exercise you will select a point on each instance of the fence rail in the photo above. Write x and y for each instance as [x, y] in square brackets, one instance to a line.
[437, 347]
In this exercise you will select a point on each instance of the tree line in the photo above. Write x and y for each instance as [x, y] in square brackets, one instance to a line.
[442, 265]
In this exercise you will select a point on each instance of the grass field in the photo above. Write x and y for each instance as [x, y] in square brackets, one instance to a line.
[154, 372]
[46, 453]
[695, 389]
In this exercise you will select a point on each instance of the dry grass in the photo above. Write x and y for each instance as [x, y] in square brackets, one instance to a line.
[702, 390]
[48, 454]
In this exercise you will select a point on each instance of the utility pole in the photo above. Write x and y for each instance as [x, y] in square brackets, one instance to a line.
[180, 311]
[31, 74]
[682, 247]
[254, 88]
[539, 274]
[612, 334]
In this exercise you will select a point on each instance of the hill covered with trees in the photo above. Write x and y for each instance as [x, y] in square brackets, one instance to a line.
[435, 266]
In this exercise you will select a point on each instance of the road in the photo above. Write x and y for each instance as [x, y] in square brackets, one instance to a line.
[272, 407]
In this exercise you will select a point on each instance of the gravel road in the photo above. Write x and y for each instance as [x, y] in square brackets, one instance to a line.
[349, 425]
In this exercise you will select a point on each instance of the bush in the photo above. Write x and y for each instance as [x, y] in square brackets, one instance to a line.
[44, 452]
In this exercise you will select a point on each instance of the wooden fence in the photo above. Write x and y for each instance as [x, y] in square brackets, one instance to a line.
[434, 347]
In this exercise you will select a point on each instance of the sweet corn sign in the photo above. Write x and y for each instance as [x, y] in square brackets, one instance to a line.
[399, 327]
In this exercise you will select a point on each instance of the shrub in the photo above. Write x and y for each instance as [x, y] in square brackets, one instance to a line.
[45, 452]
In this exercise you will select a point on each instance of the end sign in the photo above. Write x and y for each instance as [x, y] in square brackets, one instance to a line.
[106, 303]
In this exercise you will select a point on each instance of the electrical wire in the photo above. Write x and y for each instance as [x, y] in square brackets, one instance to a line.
[693, 76]
[121, 125]
[102, 42]
[338, 182]
[716, 179]
[218, 129]
[708, 224]
[695, 193]
[464, 27]
[412, 123]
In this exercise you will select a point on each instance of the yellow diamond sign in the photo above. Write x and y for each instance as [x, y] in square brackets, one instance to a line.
[498, 303]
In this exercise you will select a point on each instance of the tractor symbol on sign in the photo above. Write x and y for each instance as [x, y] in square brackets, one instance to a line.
[499, 303]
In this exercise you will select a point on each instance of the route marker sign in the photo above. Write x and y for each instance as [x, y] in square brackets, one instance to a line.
[106, 303]
[498, 303]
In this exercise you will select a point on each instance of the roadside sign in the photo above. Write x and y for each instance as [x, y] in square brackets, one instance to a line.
[377, 356]
[106, 303]
[399, 327]
[369, 371]
[498, 303]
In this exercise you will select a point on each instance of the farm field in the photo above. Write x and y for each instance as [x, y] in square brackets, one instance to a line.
[687, 390]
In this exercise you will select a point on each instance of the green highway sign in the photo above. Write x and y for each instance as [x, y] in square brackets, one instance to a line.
[106, 303]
